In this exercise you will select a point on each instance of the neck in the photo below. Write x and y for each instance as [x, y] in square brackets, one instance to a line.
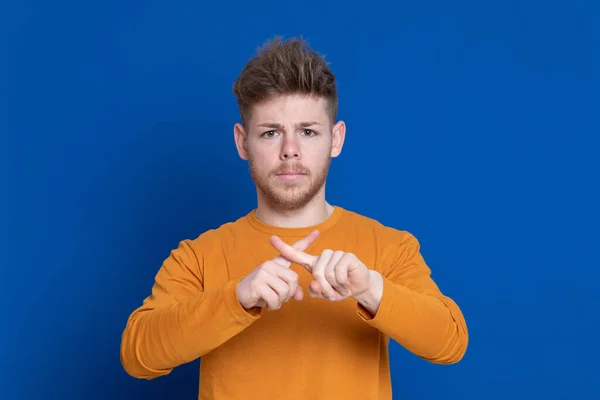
[313, 213]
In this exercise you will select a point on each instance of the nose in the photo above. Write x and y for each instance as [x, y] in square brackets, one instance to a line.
[289, 148]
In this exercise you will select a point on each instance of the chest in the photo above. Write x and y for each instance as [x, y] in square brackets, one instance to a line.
[237, 258]
[301, 325]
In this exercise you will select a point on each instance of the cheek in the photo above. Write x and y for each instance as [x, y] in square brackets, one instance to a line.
[319, 156]
[262, 159]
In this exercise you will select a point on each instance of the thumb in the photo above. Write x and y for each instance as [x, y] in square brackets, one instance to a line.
[299, 295]
[315, 289]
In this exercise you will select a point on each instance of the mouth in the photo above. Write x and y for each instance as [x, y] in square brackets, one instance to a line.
[290, 176]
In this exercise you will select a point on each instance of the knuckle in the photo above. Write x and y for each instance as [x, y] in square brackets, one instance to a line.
[255, 285]
[263, 273]
[270, 299]
[267, 265]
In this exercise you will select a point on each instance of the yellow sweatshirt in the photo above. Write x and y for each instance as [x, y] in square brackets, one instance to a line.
[308, 349]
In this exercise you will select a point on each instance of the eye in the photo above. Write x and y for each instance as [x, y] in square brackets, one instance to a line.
[269, 134]
[308, 132]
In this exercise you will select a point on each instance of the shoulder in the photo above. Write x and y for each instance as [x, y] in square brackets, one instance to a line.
[385, 234]
[392, 245]
[397, 249]
[211, 240]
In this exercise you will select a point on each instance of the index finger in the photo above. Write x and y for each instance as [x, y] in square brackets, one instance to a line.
[301, 245]
[292, 254]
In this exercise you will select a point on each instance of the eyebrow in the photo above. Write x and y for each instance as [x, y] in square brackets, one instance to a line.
[303, 124]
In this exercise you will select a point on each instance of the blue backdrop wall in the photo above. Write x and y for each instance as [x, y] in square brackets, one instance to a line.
[471, 124]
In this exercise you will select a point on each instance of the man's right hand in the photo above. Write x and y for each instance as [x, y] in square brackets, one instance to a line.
[273, 282]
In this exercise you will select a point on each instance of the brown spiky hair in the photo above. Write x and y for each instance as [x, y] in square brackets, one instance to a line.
[283, 67]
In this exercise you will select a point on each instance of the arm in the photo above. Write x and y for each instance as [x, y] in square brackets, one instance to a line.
[180, 322]
[405, 303]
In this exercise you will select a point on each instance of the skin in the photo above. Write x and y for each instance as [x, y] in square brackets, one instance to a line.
[289, 142]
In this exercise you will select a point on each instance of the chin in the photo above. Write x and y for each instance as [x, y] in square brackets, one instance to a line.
[288, 196]
[288, 199]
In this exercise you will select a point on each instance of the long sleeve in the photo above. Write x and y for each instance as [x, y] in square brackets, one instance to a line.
[180, 322]
[414, 312]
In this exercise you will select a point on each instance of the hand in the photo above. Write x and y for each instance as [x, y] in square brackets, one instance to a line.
[338, 275]
[273, 282]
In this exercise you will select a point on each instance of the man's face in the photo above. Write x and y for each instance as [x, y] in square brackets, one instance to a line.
[289, 142]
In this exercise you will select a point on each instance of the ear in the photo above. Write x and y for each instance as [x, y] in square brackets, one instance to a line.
[239, 135]
[338, 135]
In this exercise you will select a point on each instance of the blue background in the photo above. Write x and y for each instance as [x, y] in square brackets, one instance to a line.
[471, 124]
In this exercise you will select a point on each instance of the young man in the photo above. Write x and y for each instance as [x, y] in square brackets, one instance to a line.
[235, 296]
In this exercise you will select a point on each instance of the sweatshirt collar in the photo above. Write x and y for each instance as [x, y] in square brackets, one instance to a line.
[295, 232]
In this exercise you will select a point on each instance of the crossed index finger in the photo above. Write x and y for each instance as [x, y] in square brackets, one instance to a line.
[293, 254]
[300, 245]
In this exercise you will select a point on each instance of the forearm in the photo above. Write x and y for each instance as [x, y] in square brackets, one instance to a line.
[431, 327]
[371, 299]
[156, 340]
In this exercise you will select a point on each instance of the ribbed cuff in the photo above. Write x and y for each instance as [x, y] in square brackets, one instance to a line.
[386, 304]
[241, 314]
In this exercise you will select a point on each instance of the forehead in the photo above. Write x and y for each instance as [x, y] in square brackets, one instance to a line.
[291, 109]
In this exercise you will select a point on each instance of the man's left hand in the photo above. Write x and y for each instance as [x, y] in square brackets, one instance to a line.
[337, 275]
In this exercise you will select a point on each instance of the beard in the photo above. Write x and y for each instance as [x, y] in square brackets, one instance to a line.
[289, 196]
